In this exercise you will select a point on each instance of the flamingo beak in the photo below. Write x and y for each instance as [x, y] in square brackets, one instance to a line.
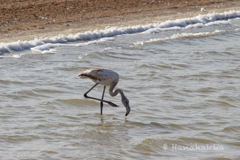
[127, 109]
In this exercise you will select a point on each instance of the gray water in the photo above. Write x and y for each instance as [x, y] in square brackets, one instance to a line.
[183, 87]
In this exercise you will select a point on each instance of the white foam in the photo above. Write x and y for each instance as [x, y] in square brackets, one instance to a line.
[218, 23]
[48, 47]
[49, 51]
[45, 47]
[48, 43]
[178, 36]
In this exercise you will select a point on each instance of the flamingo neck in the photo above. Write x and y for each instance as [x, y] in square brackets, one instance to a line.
[113, 94]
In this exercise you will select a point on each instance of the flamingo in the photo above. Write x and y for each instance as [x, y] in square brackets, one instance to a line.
[105, 77]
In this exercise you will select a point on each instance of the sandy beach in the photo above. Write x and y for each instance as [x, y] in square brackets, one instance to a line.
[29, 19]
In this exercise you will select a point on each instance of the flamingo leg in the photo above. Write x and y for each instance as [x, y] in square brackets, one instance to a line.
[85, 95]
[101, 104]
[110, 103]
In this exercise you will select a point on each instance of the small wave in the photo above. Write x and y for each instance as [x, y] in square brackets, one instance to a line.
[150, 145]
[232, 129]
[44, 45]
[221, 103]
[179, 36]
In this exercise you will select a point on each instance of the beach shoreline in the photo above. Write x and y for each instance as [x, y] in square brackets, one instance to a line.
[26, 20]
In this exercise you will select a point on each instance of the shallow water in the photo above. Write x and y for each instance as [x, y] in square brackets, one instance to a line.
[182, 83]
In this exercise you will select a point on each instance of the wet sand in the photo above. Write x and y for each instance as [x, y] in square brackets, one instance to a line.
[29, 19]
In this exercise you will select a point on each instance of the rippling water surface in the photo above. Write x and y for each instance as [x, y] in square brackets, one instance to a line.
[183, 86]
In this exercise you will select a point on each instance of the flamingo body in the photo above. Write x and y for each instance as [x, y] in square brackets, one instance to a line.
[101, 75]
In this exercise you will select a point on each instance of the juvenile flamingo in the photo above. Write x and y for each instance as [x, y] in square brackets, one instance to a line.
[105, 77]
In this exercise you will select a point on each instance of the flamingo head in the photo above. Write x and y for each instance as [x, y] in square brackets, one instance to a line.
[125, 102]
